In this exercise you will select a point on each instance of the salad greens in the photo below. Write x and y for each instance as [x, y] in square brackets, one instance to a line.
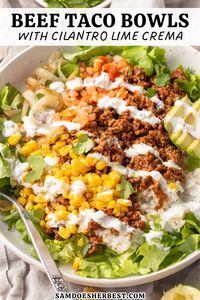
[11, 100]
[190, 85]
[142, 258]
[72, 3]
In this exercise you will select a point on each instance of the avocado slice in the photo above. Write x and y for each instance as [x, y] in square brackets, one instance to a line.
[196, 105]
[194, 149]
[190, 119]
[174, 137]
[181, 138]
[184, 141]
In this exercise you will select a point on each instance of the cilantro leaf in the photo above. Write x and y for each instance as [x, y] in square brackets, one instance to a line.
[83, 144]
[126, 188]
[36, 162]
[162, 79]
[150, 92]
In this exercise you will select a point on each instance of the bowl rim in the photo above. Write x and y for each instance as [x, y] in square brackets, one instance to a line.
[105, 3]
[102, 282]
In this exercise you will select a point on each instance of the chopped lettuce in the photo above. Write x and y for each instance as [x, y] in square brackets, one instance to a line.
[152, 257]
[142, 258]
[86, 53]
[191, 85]
[11, 100]
[66, 69]
[142, 56]
[5, 155]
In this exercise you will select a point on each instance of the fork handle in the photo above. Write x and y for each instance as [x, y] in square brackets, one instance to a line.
[47, 261]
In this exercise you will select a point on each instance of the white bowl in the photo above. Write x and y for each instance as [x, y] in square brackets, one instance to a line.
[15, 72]
[105, 3]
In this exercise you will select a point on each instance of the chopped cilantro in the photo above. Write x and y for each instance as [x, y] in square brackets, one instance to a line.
[162, 79]
[126, 188]
[36, 162]
[150, 92]
[83, 144]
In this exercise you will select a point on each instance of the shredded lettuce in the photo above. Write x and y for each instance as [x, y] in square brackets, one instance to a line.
[5, 155]
[11, 99]
[151, 59]
[191, 85]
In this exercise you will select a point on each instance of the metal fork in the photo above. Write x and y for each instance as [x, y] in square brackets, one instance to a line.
[47, 261]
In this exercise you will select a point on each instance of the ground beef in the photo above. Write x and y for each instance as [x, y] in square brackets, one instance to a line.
[138, 77]
[178, 74]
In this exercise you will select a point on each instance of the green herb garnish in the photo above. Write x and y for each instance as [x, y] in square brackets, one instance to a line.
[150, 92]
[36, 162]
[83, 144]
[126, 188]
[162, 79]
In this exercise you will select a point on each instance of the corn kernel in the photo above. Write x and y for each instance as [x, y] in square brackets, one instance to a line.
[91, 161]
[105, 196]
[124, 202]
[40, 199]
[100, 165]
[29, 148]
[22, 200]
[29, 206]
[39, 206]
[100, 205]
[108, 184]
[71, 208]
[80, 242]
[58, 173]
[14, 139]
[94, 180]
[117, 210]
[60, 144]
[76, 264]
[112, 204]
[72, 228]
[45, 150]
[85, 205]
[72, 154]
[66, 170]
[47, 210]
[31, 198]
[105, 177]
[172, 185]
[64, 150]
[61, 214]
[75, 212]
[115, 175]
[77, 201]
[64, 233]
[27, 191]
[64, 136]
[100, 189]
[42, 223]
